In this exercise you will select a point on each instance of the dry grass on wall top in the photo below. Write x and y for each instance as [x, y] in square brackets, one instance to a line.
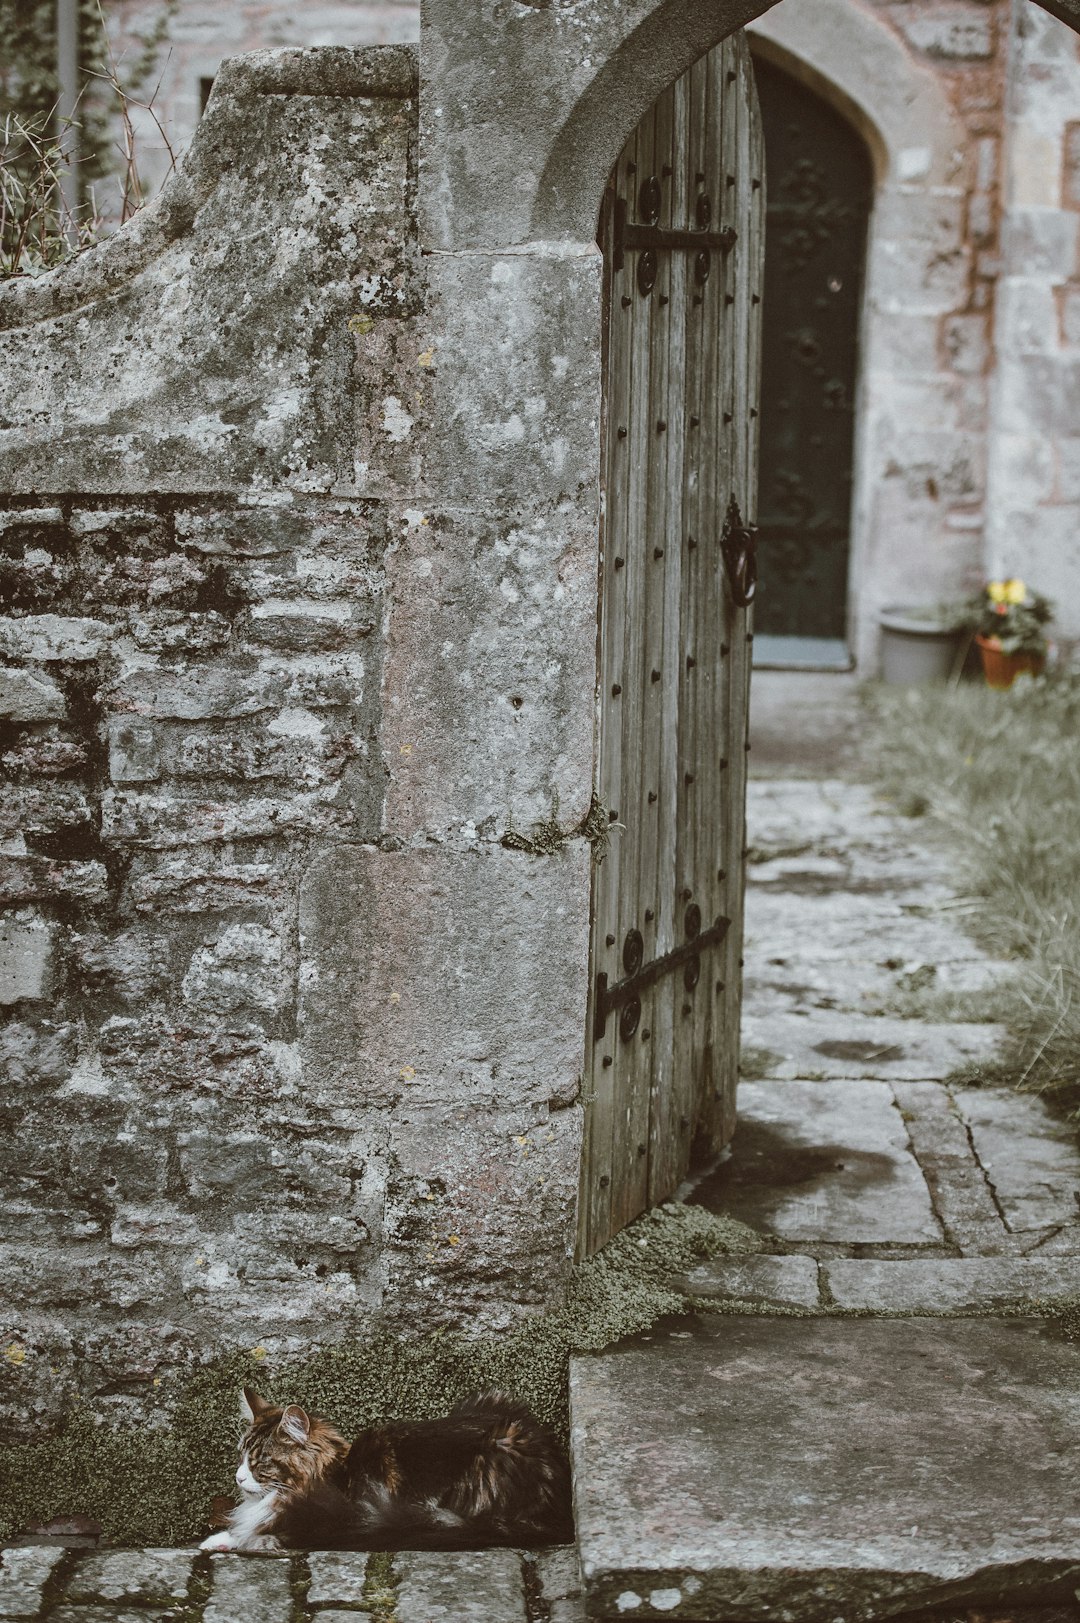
[997, 775]
[154, 1485]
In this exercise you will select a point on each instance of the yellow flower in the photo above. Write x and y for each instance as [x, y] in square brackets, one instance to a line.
[1006, 591]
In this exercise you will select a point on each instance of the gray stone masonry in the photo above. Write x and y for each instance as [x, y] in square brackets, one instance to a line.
[299, 621]
[183, 1586]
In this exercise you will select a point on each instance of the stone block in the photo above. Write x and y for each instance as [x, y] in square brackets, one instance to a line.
[26, 957]
[134, 756]
[1068, 470]
[199, 695]
[23, 1575]
[1069, 315]
[241, 969]
[779, 1281]
[561, 1586]
[44, 637]
[481, 1212]
[139, 1576]
[516, 370]
[26, 697]
[262, 530]
[1038, 393]
[954, 1285]
[439, 978]
[1035, 177]
[479, 1586]
[923, 262]
[787, 1446]
[1071, 164]
[965, 340]
[111, 1614]
[824, 1162]
[337, 1578]
[1042, 243]
[1024, 471]
[951, 33]
[164, 821]
[958, 1188]
[46, 808]
[491, 664]
[256, 1591]
[1030, 1156]
[831, 1043]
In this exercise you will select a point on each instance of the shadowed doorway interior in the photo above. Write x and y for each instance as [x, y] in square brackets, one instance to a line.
[819, 196]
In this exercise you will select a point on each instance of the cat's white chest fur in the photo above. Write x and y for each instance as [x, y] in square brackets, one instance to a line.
[247, 1523]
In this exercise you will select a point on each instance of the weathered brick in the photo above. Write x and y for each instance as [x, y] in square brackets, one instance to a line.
[26, 957]
[26, 697]
[168, 631]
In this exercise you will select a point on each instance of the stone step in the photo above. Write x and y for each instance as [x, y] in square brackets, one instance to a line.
[744, 1469]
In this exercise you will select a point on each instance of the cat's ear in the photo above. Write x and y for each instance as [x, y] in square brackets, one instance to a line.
[251, 1406]
[295, 1423]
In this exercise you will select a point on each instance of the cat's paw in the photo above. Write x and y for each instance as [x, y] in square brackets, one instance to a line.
[218, 1542]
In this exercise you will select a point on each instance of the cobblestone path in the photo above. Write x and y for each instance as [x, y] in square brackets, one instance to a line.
[183, 1586]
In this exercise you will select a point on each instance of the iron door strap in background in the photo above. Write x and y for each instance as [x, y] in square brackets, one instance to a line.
[683, 237]
[820, 182]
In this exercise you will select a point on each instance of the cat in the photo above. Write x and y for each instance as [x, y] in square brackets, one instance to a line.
[488, 1473]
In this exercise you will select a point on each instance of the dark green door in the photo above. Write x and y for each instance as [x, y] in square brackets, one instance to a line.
[820, 191]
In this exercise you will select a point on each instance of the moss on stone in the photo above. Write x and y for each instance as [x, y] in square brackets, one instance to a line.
[153, 1484]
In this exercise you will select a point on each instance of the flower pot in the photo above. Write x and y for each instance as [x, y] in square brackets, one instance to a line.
[1001, 669]
[917, 645]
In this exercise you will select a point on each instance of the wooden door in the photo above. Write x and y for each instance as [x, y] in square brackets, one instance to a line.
[821, 188]
[683, 240]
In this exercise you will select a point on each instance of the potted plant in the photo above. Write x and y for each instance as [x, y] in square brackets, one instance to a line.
[1007, 621]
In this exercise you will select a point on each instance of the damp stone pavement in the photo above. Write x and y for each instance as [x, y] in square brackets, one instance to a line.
[880, 1416]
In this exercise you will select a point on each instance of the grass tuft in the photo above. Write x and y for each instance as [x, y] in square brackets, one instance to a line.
[997, 776]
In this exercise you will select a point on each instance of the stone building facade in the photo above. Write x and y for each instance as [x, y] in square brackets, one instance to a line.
[964, 454]
[301, 498]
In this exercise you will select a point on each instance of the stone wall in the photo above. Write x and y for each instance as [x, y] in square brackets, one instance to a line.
[298, 542]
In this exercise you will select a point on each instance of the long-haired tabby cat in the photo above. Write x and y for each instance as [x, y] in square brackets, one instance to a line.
[488, 1473]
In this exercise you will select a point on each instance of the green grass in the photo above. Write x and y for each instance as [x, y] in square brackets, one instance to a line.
[997, 778]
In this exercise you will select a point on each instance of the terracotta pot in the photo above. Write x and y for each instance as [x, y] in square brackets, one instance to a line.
[1000, 669]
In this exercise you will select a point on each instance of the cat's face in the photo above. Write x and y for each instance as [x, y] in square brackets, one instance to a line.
[283, 1448]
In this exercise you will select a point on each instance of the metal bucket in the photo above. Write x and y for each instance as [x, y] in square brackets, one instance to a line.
[917, 646]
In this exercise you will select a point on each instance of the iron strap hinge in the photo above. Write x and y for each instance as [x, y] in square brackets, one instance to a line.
[629, 990]
[658, 237]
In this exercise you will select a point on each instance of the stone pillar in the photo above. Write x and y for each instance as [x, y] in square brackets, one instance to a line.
[1034, 507]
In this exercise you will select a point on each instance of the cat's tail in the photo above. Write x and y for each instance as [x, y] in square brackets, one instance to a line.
[323, 1518]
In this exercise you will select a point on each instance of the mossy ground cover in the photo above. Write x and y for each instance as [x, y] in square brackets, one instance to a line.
[153, 1485]
[997, 776]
